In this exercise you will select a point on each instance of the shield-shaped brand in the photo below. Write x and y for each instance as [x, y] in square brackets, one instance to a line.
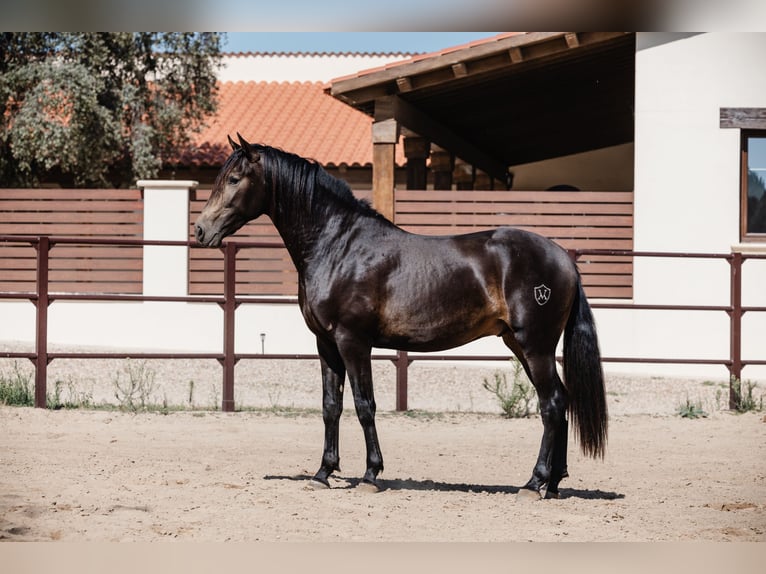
[542, 294]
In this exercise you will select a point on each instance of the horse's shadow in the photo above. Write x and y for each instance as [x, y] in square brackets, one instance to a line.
[342, 482]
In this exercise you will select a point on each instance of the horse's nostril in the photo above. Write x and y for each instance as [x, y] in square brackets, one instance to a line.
[199, 233]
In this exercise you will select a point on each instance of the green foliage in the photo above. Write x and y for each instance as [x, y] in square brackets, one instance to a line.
[75, 399]
[515, 402]
[690, 410]
[16, 388]
[99, 109]
[744, 396]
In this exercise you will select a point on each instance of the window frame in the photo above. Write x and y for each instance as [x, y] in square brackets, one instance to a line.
[744, 235]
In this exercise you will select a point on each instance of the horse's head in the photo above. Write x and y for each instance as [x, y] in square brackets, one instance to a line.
[239, 195]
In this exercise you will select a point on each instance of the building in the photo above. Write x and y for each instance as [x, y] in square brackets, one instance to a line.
[676, 120]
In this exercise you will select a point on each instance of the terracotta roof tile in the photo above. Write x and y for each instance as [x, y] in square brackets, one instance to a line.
[425, 56]
[297, 117]
[349, 54]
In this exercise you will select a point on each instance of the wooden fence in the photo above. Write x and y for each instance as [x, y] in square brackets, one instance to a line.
[575, 220]
[92, 213]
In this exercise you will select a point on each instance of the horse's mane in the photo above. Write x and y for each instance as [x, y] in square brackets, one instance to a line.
[305, 183]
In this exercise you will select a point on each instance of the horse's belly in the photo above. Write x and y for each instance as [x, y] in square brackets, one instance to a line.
[422, 332]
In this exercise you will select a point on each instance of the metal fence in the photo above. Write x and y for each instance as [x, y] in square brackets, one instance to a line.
[42, 298]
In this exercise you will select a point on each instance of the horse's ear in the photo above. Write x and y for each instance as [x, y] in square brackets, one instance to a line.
[250, 153]
[234, 145]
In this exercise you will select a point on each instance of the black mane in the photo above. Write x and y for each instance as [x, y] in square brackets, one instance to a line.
[304, 183]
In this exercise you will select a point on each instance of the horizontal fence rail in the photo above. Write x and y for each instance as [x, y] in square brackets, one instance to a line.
[574, 219]
[43, 295]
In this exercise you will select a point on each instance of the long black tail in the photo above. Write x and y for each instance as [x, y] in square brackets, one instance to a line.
[584, 377]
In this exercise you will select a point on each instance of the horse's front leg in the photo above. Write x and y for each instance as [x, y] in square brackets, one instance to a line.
[356, 357]
[333, 377]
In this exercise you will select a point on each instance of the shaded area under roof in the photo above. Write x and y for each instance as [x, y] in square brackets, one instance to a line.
[511, 99]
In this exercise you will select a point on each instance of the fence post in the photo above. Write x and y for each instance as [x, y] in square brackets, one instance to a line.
[402, 362]
[735, 315]
[41, 336]
[166, 218]
[229, 318]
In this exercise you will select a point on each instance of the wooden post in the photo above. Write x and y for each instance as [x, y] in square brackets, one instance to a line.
[463, 175]
[384, 137]
[482, 181]
[416, 150]
[229, 309]
[441, 165]
[41, 337]
[735, 330]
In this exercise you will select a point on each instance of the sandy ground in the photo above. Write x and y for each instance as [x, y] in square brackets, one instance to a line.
[90, 475]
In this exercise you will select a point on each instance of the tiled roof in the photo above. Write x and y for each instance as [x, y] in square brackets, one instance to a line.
[296, 117]
[426, 56]
[320, 54]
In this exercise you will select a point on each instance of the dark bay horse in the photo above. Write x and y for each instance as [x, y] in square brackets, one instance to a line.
[364, 283]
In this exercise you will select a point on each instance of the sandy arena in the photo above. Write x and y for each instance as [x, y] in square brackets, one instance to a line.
[200, 475]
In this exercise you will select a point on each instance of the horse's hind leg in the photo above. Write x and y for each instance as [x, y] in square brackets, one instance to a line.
[551, 465]
[333, 376]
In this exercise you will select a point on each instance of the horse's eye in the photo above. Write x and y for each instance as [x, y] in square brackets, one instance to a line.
[233, 180]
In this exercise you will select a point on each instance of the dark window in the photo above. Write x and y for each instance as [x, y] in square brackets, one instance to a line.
[753, 198]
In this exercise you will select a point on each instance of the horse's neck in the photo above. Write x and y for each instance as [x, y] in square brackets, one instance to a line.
[304, 225]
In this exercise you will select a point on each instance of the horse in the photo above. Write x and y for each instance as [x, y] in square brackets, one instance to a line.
[363, 282]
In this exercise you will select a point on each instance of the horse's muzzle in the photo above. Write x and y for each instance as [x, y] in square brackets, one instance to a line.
[204, 238]
[199, 233]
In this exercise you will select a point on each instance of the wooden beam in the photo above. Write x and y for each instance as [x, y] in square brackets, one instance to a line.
[385, 131]
[460, 70]
[404, 84]
[744, 118]
[425, 65]
[572, 40]
[516, 56]
[419, 122]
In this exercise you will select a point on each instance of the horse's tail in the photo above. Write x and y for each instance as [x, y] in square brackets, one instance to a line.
[584, 377]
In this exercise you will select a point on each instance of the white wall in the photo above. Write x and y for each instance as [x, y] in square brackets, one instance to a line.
[687, 191]
[298, 67]
[607, 169]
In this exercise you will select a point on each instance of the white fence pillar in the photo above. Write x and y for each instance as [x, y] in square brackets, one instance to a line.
[166, 218]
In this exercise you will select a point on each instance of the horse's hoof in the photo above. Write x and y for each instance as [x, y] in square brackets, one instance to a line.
[528, 495]
[315, 484]
[552, 495]
[370, 487]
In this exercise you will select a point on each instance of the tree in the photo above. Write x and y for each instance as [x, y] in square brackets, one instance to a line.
[101, 109]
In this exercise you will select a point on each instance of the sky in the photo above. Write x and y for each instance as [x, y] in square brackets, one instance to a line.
[347, 41]
[398, 15]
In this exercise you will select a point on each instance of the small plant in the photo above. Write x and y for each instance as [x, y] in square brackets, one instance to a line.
[690, 410]
[515, 402]
[16, 388]
[134, 391]
[215, 396]
[744, 399]
[75, 399]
